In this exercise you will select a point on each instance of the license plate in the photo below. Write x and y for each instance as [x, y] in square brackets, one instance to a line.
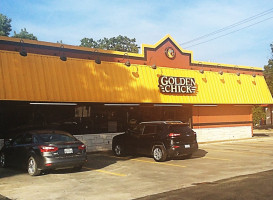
[187, 146]
[67, 151]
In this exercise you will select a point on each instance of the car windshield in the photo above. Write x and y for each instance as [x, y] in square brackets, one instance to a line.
[49, 137]
[180, 129]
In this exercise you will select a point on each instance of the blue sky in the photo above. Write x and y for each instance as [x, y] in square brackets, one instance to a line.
[150, 20]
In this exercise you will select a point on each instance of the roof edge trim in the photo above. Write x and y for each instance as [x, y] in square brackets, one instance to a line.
[144, 48]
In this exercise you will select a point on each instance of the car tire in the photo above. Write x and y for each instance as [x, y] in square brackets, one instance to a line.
[159, 153]
[32, 167]
[118, 149]
[3, 162]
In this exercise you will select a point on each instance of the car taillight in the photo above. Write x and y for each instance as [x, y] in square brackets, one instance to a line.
[174, 134]
[82, 147]
[48, 148]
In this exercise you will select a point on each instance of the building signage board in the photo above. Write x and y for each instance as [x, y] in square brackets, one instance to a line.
[177, 85]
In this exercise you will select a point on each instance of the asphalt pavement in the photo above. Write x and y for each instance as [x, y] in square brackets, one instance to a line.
[249, 187]
[240, 169]
[257, 186]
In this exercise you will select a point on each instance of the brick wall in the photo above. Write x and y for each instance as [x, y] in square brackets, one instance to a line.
[103, 141]
[223, 133]
[97, 142]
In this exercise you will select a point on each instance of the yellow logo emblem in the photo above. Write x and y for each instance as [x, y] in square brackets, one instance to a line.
[170, 53]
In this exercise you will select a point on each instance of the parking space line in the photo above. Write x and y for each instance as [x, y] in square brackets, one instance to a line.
[245, 145]
[266, 143]
[256, 147]
[262, 143]
[212, 158]
[160, 163]
[147, 161]
[241, 152]
[266, 138]
[105, 172]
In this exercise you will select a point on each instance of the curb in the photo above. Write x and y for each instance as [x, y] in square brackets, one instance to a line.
[234, 140]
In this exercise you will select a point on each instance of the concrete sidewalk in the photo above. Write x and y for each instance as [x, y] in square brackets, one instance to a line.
[263, 132]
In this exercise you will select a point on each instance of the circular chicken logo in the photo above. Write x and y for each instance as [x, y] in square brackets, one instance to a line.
[170, 53]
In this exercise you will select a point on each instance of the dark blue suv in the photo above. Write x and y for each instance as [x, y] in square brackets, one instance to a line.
[161, 139]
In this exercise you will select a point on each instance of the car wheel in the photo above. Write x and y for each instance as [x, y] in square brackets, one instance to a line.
[118, 150]
[159, 153]
[32, 167]
[3, 160]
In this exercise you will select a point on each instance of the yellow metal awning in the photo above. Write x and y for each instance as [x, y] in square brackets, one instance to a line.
[47, 78]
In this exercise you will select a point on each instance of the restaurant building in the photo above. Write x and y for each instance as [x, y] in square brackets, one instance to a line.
[96, 94]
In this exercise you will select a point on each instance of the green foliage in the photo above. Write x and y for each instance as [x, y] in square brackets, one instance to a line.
[120, 43]
[24, 35]
[89, 42]
[258, 114]
[5, 26]
[268, 74]
[258, 111]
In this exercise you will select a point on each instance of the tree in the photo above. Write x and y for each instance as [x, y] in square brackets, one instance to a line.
[120, 43]
[24, 35]
[258, 111]
[258, 114]
[268, 72]
[5, 26]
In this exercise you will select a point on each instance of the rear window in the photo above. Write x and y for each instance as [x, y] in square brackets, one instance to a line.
[180, 129]
[49, 137]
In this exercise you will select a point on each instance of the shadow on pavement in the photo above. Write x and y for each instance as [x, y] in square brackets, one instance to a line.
[95, 161]
[198, 154]
[261, 135]
[100, 156]
[4, 198]
[246, 187]
[8, 172]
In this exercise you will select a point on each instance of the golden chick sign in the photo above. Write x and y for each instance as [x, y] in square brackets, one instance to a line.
[177, 85]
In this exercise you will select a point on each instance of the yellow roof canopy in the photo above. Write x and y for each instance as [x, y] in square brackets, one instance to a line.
[47, 78]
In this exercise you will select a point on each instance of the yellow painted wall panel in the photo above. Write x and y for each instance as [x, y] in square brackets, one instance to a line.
[47, 78]
[6, 77]
[2, 82]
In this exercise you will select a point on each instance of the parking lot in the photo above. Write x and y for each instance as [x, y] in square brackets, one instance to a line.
[108, 177]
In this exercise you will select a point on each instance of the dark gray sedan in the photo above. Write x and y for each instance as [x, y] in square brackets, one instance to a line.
[39, 150]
